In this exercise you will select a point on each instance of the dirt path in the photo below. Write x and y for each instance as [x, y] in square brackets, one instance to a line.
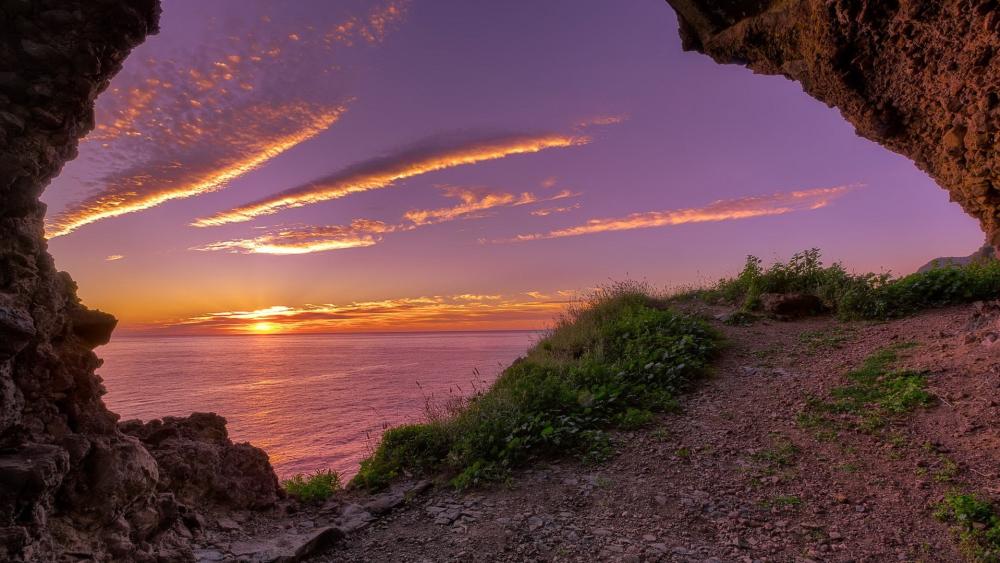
[737, 476]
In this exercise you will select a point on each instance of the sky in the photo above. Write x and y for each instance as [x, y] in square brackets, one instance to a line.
[396, 165]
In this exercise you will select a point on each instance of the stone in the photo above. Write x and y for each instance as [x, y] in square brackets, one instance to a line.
[16, 330]
[202, 466]
[985, 253]
[93, 327]
[354, 518]
[791, 305]
[385, 502]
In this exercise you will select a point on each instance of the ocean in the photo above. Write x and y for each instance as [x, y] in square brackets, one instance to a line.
[310, 401]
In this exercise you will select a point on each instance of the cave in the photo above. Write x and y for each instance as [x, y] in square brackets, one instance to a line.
[917, 76]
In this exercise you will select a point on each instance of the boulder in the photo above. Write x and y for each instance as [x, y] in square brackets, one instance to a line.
[93, 327]
[985, 253]
[202, 466]
[791, 305]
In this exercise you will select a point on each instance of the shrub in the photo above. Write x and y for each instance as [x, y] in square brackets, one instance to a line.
[976, 523]
[856, 296]
[608, 363]
[313, 488]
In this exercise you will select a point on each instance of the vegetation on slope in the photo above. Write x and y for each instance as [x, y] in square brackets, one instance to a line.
[313, 488]
[856, 296]
[876, 393]
[608, 363]
[976, 523]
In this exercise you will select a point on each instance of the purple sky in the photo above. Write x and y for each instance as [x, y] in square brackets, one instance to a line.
[509, 119]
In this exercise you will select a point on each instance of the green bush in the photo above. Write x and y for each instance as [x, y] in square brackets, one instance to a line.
[608, 363]
[313, 488]
[857, 296]
[976, 523]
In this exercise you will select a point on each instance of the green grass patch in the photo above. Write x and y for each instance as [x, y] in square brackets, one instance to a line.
[855, 296]
[826, 339]
[781, 453]
[609, 363]
[975, 522]
[313, 488]
[876, 393]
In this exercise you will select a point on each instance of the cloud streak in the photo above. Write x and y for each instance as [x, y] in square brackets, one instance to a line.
[428, 156]
[474, 202]
[721, 210]
[217, 154]
[307, 239]
[464, 311]
[178, 122]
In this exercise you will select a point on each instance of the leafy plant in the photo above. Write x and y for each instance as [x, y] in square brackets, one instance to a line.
[875, 393]
[855, 296]
[313, 488]
[976, 523]
[610, 362]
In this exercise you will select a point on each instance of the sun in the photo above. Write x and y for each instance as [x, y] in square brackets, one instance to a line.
[263, 327]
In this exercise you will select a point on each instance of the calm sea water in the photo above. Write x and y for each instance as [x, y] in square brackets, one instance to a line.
[312, 402]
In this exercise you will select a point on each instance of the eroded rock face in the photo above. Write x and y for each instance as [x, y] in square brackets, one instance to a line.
[70, 481]
[921, 77]
[202, 466]
[67, 476]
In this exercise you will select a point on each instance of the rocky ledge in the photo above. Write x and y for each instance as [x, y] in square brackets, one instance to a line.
[920, 77]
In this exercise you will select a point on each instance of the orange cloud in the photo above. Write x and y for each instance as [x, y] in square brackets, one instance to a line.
[602, 120]
[366, 232]
[428, 156]
[466, 311]
[114, 258]
[212, 155]
[307, 239]
[721, 210]
[475, 200]
[553, 210]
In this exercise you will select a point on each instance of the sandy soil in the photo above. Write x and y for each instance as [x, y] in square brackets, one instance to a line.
[735, 477]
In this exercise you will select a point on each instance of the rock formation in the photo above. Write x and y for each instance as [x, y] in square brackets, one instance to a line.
[985, 254]
[920, 77]
[71, 483]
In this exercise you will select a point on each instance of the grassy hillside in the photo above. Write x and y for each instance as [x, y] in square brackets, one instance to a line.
[856, 296]
[609, 363]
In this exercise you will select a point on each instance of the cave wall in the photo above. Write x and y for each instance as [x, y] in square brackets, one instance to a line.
[920, 77]
[69, 480]
[75, 484]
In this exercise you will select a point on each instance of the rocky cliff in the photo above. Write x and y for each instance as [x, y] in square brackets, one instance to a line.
[71, 483]
[920, 77]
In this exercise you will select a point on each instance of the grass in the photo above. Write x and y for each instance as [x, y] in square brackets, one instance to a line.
[826, 339]
[876, 393]
[854, 296]
[313, 488]
[609, 363]
[975, 522]
[781, 453]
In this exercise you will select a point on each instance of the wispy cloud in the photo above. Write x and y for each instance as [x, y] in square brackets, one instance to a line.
[114, 258]
[464, 311]
[177, 124]
[474, 202]
[307, 239]
[602, 120]
[553, 210]
[721, 210]
[427, 156]
[215, 154]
